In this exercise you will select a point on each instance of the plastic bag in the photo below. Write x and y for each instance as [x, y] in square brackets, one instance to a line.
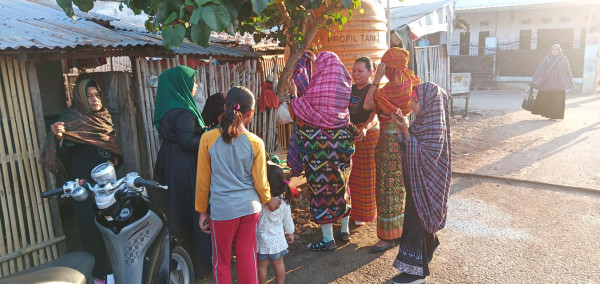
[283, 114]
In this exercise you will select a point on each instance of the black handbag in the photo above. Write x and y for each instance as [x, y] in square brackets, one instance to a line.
[529, 101]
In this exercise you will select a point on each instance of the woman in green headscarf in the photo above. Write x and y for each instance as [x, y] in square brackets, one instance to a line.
[180, 126]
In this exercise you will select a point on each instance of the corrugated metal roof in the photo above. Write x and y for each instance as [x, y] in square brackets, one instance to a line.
[63, 33]
[31, 25]
[187, 47]
[404, 15]
[477, 5]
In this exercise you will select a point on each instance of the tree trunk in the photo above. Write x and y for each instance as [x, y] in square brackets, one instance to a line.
[295, 54]
[287, 73]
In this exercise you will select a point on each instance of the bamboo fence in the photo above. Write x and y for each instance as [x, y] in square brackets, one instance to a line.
[26, 233]
[213, 78]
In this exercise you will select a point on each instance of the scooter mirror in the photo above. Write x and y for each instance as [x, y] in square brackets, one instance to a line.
[79, 193]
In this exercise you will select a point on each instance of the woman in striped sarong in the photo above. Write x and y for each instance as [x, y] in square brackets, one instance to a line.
[362, 178]
[325, 139]
[426, 162]
[390, 191]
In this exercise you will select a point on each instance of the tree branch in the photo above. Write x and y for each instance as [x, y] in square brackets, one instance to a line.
[295, 54]
[285, 16]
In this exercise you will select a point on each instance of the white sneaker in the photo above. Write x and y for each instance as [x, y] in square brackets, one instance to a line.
[359, 223]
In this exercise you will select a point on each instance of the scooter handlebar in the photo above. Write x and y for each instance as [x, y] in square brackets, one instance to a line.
[148, 183]
[52, 192]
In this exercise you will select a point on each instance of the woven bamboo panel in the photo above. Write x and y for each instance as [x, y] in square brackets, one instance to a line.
[26, 234]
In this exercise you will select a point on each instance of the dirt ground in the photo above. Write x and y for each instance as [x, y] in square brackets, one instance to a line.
[497, 232]
[352, 262]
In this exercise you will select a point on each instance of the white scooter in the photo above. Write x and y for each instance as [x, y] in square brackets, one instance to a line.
[135, 232]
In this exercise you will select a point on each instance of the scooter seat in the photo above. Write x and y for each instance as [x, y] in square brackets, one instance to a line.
[75, 267]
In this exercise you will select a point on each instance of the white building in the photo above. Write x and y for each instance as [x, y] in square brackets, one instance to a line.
[520, 32]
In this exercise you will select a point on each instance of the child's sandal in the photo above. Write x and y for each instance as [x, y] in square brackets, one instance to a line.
[322, 246]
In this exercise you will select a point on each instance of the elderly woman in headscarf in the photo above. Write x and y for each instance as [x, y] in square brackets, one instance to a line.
[426, 163]
[83, 138]
[390, 192]
[180, 126]
[552, 78]
[326, 143]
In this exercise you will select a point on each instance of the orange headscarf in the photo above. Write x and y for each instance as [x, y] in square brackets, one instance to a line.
[396, 93]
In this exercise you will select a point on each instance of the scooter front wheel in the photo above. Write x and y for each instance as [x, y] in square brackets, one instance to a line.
[182, 270]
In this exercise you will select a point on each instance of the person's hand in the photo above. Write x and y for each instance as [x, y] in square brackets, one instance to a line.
[362, 133]
[311, 56]
[400, 123]
[58, 128]
[379, 73]
[204, 222]
[292, 88]
[290, 238]
[273, 204]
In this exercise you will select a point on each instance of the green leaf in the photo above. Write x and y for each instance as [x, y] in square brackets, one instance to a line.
[233, 11]
[67, 6]
[344, 20]
[189, 2]
[202, 2]
[216, 17]
[231, 29]
[258, 6]
[182, 11]
[200, 35]
[170, 19]
[350, 14]
[196, 16]
[362, 11]
[149, 25]
[347, 4]
[178, 34]
[173, 36]
[84, 5]
[167, 33]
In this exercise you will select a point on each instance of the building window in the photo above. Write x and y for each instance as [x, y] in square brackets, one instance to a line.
[546, 20]
[484, 23]
[525, 21]
[525, 39]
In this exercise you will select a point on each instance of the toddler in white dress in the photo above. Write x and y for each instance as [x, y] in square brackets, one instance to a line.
[272, 227]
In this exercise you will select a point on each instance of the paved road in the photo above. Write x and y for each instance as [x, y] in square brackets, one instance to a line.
[521, 145]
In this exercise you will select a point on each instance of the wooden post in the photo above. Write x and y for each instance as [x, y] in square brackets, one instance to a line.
[145, 118]
[149, 99]
[185, 60]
